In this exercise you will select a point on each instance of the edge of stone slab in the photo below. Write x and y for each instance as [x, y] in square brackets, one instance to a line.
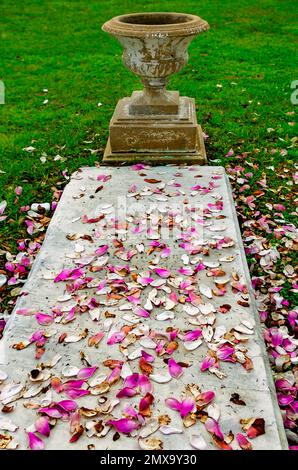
[35, 265]
[271, 387]
[270, 381]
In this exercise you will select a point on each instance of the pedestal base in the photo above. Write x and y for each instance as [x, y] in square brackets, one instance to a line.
[160, 138]
[197, 157]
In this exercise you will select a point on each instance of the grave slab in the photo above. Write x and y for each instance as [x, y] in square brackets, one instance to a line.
[152, 263]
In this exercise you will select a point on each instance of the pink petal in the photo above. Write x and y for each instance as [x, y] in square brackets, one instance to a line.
[224, 352]
[192, 335]
[44, 319]
[145, 384]
[18, 190]
[284, 400]
[42, 426]
[148, 357]
[124, 425]
[35, 443]
[68, 405]
[206, 397]
[162, 272]
[51, 411]
[230, 153]
[187, 407]
[174, 369]
[76, 383]
[173, 404]
[114, 376]
[207, 363]
[165, 252]
[76, 393]
[102, 250]
[130, 412]
[144, 281]
[141, 312]
[126, 392]
[24, 311]
[132, 381]
[86, 372]
[243, 442]
[212, 426]
[116, 338]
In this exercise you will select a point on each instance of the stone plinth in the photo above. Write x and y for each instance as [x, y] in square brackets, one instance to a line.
[205, 265]
[155, 138]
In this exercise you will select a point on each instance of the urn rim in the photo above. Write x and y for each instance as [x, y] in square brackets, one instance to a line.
[155, 24]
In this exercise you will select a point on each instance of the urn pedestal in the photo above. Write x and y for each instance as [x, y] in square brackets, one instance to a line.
[155, 125]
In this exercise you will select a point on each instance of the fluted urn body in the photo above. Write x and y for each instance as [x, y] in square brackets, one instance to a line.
[155, 47]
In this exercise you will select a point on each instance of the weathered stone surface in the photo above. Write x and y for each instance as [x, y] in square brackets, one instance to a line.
[80, 198]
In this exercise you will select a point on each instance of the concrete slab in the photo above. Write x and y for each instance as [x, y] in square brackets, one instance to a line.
[174, 218]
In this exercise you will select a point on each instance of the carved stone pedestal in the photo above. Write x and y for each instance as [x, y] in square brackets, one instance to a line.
[157, 138]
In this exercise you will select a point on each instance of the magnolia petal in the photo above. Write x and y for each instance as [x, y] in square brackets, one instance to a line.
[3, 375]
[44, 319]
[163, 316]
[205, 290]
[192, 345]
[173, 404]
[243, 442]
[147, 343]
[174, 369]
[42, 426]
[126, 392]
[187, 406]
[68, 405]
[70, 371]
[167, 430]
[161, 378]
[86, 372]
[35, 443]
[198, 442]
[151, 427]
[162, 272]
[7, 425]
[124, 425]
[141, 312]
[212, 426]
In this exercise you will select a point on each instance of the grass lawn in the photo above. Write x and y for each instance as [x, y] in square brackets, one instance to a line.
[57, 65]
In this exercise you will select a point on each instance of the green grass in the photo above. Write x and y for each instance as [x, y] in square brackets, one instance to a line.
[250, 51]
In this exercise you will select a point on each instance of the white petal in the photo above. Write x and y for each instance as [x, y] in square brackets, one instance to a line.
[205, 290]
[10, 390]
[70, 371]
[3, 375]
[7, 425]
[161, 378]
[147, 343]
[170, 430]
[151, 427]
[165, 316]
[191, 310]
[198, 442]
[192, 345]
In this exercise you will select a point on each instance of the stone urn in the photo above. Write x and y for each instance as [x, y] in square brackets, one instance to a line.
[154, 124]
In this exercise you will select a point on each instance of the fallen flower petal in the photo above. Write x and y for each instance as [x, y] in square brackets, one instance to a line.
[243, 442]
[124, 425]
[35, 443]
[174, 368]
[42, 426]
